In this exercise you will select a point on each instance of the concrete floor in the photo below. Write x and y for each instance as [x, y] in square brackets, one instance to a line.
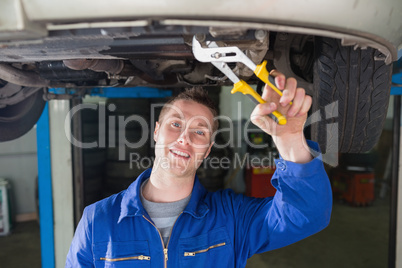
[22, 247]
[357, 237]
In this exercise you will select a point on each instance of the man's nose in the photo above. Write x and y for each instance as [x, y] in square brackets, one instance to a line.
[183, 138]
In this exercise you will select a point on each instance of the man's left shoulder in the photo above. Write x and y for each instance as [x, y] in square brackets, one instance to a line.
[223, 196]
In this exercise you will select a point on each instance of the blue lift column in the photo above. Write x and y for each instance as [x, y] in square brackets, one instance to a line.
[45, 190]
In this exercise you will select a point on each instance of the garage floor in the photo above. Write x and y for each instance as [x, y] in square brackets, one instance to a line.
[22, 247]
[357, 237]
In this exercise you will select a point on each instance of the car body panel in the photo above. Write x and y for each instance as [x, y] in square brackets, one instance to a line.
[372, 23]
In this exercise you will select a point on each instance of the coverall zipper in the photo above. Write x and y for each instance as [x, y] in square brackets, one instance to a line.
[141, 258]
[165, 250]
[186, 254]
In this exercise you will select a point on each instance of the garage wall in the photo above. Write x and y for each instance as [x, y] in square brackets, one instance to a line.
[18, 164]
[236, 106]
[237, 109]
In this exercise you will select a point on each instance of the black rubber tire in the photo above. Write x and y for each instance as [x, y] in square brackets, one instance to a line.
[113, 153]
[156, 105]
[116, 169]
[89, 116]
[16, 120]
[360, 81]
[119, 176]
[94, 158]
[128, 106]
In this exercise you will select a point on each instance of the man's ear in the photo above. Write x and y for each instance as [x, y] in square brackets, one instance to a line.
[156, 131]
[209, 149]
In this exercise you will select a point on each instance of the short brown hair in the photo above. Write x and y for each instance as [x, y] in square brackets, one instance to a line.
[196, 94]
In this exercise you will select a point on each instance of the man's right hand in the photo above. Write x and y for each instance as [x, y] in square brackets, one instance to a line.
[288, 138]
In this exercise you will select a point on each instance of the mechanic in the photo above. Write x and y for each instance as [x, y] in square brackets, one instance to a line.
[167, 219]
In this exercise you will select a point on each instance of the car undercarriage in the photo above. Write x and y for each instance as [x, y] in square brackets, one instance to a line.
[160, 55]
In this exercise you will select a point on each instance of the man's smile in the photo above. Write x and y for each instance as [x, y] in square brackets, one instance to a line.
[179, 153]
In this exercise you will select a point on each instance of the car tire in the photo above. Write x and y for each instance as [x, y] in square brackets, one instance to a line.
[351, 94]
[18, 119]
[93, 159]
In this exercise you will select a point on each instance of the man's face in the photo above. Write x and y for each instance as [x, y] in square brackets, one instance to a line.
[183, 137]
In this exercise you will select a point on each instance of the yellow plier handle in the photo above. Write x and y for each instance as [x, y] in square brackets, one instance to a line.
[245, 88]
[262, 73]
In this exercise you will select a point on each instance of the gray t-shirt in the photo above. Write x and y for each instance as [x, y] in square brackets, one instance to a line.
[164, 215]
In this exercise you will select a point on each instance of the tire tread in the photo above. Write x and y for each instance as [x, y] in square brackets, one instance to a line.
[361, 86]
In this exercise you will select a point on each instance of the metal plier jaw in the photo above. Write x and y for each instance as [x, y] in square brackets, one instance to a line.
[218, 56]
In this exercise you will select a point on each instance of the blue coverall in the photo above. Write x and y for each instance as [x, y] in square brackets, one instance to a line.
[219, 229]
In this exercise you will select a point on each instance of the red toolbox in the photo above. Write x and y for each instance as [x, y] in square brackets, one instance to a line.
[356, 188]
[258, 182]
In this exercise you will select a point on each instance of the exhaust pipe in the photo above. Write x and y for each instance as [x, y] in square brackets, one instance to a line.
[23, 78]
[97, 65]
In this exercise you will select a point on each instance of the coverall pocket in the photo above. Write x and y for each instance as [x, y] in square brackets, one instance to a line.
[122, 254]
[212, 249]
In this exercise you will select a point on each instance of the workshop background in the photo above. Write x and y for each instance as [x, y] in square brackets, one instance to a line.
[358, 235]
